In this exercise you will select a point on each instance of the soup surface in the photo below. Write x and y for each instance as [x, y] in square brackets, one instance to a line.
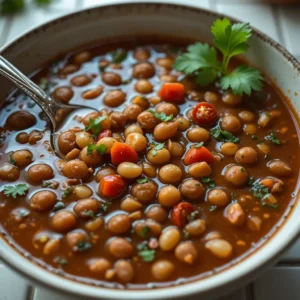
[165, 183]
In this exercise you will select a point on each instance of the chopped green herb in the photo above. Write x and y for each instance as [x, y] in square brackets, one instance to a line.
[202, 61]
[83, 245]
[251, 180]
[12, 160]
[100, 149]
[193, 215]
[20, 189]
[104, 207]
[254, 137]
[142, 180]
[142, 246]
[270, 205]
[186, 235]
[210, 182]
[243, 170]
[60, 260]
[272, 138]
[223, 135]
[67, 192]
[212, 208]
[58, 206]
[267, 157]
[147, 255]
[157, 148]
[89, 213]
[233, 195]
[199, 145]
[50, 184]
[95, 125]
[259, 190]
[144, 232]
[9, 7]
[161, 116]
[118, 55]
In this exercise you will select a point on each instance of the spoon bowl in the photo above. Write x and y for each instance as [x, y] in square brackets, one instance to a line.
[59, 114]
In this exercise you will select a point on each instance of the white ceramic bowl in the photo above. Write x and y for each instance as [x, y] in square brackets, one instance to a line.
[35, 48]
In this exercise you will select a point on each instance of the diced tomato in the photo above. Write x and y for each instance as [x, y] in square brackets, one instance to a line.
[104, 133]
[112, 186]
[180, 213]
[172, 92]
[121, 152]
[198, 155]
[204, 113]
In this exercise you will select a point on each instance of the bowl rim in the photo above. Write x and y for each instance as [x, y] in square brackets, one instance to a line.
[43, 277]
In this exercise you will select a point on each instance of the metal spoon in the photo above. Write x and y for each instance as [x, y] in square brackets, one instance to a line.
[58, 113]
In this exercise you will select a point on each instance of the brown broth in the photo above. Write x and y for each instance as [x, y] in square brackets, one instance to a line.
[207, 262]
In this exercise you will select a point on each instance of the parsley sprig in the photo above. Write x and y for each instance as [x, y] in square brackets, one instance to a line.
[223, 135]
[95, 125]
[14, 191]
[100, 149]
[161, 116]
[157, 148]
[273, 138]
[201, 59]
[146, 254]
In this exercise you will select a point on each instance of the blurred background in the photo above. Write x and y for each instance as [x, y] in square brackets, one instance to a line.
[280, 19]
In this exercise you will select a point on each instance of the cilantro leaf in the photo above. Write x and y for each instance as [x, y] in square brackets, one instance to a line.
[259, 190]
[157, 148]
[273, 138]
[223, 135]
[243, 79]
[58, 206]
[161, 116]
[95, 125]
[198, 56]
[100, 149]
[199, 145]
[206, 76]
[67, 192]
[210, 182]
[20, 189]
[147, 255]
[144, 232]
[142, 180]
[89, 213]
[82, 246]
[8, 7]
[118, 55]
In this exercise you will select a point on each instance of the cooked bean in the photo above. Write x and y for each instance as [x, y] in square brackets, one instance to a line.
[170, 174]
[93, 115]
[236, 175]
[75, 169]
[169, 238]
[279, 168]
[119, 223]
[231, 124]
[22, 158]
[137, 215]
[149, 170]
[168, 196]
[137, 141]
[130, 205]
[263, 120]
[9, 172]
[63, 221]
[219, 248]
[146, 120]
[69, 69]
[132, 111]
[143, 70]
[63, 94]
[118, 119]
[196, 227]
[217, 197]
[124, 270]
[211, 97]
[186, 252]
[229, 149]
[51, 246]
[234, 214]
[85, 206]
[143, 86]
[133, 128]
[83, 139]
[250, 129]
[111, 78]
[108, 142]
[94, 224]
[167, 108]
[114, 98]
[39, 172]
[254, 223]
[82, 57]
[94, 93]
[75, 237]
[192, 189]
[201, 169]
[22, 138]
[81, 80]
[43, 200]
[157, 213]
[142, 101]
[144, 192]
[247, 116]
[104, 172]
[198, 134]
[35, 136]
[165, 130]
[129, 170]
[118, 137]
[152, 226]
[158, 157]
[141, 54]
[212, 235]
[66, 141]
[175, 148]
[91, 159]
[100, 266]
[231, 99]
[246, 155]
[264, 148]
[83, 191]
[20, 120]
[165, 62]
[120, 248]
[183, 123]
[162, 269]
[168, 78]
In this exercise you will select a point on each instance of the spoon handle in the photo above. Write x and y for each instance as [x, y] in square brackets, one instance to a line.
[49, 106]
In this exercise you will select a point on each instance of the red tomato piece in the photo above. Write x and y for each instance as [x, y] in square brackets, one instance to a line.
[104, 133]
[198, 155]
[121, 152]
[180, 213]
[204, 113]
[112, 186]
[172, 92]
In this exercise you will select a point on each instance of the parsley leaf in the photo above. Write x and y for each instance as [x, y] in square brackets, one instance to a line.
[144, 232]
[157, 148]
[161, 116]
[8, 7]
[199, 145]
[95, 125]
[273, 138]
[259, 190]
[142, 180]
[58, 206]
[67, 192]
[145, 253]
[118, 55]
[213, 208]
[210, 182]
[223, 135]
[82, 246]
[100, 149]
[242, 79]
[12, 160]
[89, 213]
[20, 189]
